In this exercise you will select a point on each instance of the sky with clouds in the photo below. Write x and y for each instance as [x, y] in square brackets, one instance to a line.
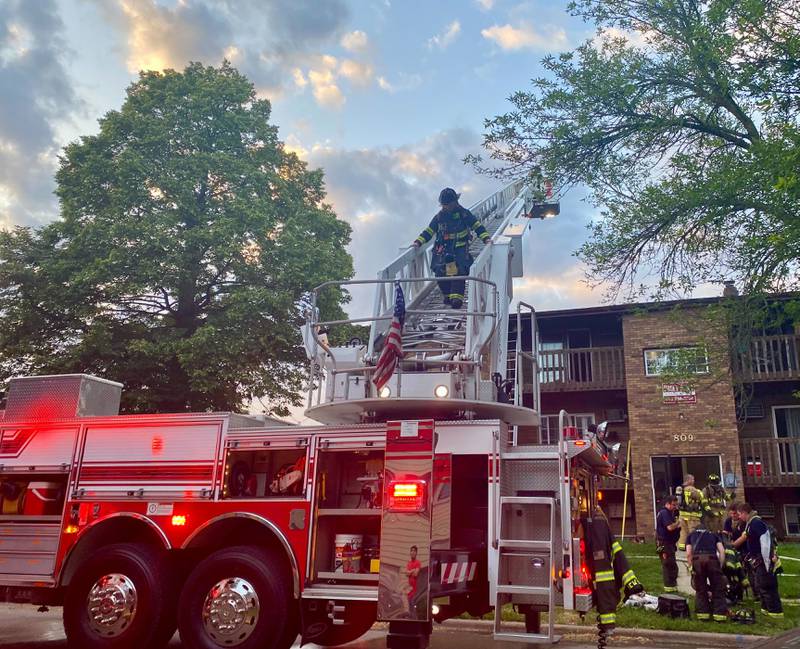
[387, 96]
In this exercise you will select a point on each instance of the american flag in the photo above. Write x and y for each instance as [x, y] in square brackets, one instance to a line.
[393, 347]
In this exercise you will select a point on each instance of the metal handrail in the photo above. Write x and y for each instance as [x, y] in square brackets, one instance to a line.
[313, 324]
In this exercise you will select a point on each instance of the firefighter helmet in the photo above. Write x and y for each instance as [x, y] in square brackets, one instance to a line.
[713, 478]
[447, 195]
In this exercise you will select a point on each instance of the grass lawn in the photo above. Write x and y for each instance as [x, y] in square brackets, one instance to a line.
[643, 560]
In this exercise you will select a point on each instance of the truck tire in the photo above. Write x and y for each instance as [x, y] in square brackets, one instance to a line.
[237, 597]
[120, 598]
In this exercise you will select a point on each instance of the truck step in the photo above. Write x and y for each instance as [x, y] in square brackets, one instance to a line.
[509, 589]
[527, 500]
[523, 544]
[532, 638]
[510, 456]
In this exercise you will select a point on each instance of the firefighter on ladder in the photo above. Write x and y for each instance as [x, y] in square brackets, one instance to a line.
[452, 228]
[611, 570]
[692, 506]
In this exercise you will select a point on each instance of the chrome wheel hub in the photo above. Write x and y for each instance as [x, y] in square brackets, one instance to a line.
[111, 605]
[230, 612]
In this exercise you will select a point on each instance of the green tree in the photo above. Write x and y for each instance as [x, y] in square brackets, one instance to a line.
[188, 241]
[681, 118]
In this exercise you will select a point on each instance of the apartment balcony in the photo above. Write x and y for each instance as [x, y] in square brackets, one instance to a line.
[574, 370]
[772, 358]
[771, 462]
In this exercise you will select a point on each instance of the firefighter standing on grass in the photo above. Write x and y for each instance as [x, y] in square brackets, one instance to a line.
[761, 555]
[705, 554]
[717, 499]
[452, 226]
[692, 506]
[733, 569]
[610, 568]
[667, 533]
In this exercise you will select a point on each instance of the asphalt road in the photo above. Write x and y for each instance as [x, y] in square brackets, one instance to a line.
[22, 627]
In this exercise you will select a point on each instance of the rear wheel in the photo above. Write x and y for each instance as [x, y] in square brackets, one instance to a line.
[119, 599]
[237, 597]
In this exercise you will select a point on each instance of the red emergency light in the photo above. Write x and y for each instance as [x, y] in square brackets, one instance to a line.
[405, 496]
[571, 432]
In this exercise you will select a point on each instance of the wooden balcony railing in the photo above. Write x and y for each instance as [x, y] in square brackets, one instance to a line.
[590, 368]
[771, 462]
[772, 358]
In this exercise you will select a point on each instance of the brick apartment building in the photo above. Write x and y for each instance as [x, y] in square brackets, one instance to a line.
[608, 363]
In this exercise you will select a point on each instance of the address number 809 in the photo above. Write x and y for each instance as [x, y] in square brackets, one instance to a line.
[683, 437]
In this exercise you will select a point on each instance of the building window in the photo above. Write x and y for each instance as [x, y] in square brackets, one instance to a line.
[549, 426]
[786, 420]
[691, 360]
[791, 514]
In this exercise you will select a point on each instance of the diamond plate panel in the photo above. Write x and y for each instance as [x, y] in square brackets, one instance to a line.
[61, 397]
[528, 475]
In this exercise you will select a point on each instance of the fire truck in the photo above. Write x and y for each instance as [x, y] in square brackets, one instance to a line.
[431, 498]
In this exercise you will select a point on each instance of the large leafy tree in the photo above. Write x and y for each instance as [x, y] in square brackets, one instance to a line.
[188, 241]
[682, 119]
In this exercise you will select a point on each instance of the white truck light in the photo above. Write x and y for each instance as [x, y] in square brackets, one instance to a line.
[441, 391]
[385, 392]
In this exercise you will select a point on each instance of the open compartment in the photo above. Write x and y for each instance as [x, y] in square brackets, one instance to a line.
[32, 497]
[348, 510]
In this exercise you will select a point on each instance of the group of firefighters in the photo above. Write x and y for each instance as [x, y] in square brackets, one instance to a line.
[725, 556]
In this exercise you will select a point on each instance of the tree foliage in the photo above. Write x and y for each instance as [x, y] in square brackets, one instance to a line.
[187, 243]
[681, 117]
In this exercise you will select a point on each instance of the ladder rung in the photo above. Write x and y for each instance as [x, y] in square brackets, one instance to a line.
[510, 589]
[522, 544]
[526, 637]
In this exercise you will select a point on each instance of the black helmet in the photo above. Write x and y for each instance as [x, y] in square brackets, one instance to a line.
[713, 478]
[447, 195]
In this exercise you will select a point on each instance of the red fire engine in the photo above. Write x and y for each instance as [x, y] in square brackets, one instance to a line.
[432, 498]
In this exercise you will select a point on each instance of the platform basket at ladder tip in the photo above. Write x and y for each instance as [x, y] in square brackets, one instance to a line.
[450, 363]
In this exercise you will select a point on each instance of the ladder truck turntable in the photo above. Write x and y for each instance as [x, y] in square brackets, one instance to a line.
[431, 499]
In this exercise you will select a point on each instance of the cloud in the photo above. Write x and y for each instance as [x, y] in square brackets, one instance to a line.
[37, 96]
[162, 37]
[356, 71]
[634, 38]
[486, 5]
[446, 37]
[525, 37]
[267, 41]
[323, 83]
[403, 82]
[356, 41]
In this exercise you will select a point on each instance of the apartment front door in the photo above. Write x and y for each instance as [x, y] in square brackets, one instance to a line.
[669, 472]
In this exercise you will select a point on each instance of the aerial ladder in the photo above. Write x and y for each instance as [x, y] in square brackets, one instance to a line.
[461, 365]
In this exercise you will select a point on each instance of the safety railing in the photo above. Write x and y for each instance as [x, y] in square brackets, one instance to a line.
[524, 358]
[771, 462]
[326, 366]
[771, 358]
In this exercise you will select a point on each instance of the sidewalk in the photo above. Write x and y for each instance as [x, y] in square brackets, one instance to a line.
[673, 638]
